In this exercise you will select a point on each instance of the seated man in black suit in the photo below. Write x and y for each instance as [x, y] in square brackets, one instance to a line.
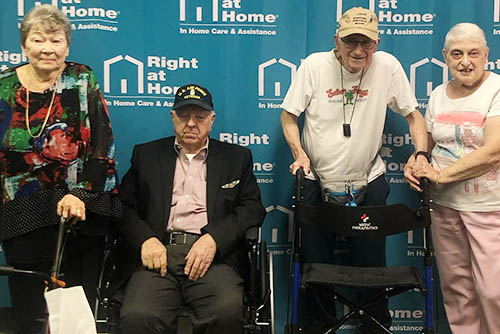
[188, 200]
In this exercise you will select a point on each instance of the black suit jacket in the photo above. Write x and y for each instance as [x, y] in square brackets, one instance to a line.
[146, 193]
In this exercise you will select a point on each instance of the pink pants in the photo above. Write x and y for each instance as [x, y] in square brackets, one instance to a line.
[468, 256]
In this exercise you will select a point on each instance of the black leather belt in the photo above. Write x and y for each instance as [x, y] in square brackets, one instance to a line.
[180, 238]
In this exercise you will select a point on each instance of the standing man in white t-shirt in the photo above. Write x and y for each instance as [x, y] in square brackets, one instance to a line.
[345, 93]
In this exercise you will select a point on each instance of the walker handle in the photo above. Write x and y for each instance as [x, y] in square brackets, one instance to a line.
[299, 184]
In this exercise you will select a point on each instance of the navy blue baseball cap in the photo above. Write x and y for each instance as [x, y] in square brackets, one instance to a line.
[193, 94]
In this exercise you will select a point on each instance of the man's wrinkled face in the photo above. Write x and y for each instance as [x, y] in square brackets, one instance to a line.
[355, 51]
[192, 125]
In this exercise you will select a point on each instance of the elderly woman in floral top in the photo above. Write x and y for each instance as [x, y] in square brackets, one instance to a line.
[56, 159]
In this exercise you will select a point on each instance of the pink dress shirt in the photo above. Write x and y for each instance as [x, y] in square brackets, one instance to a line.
[189, 196]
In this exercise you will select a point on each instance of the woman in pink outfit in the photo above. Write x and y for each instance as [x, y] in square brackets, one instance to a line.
[463, 127]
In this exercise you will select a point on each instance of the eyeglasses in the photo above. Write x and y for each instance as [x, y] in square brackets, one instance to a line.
[352, 43]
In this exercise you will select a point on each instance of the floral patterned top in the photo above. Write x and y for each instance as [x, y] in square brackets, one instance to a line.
[74, 153]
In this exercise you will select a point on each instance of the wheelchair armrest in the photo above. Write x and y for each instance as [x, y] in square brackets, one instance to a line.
[252, 235]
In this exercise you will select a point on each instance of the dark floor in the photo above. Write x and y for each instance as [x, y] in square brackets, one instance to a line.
[7, 325]
[6, 321]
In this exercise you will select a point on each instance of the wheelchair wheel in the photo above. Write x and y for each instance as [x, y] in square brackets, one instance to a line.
[271, 288]
[267, 312]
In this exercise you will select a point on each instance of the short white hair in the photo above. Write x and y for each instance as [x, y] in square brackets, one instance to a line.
[464, 31]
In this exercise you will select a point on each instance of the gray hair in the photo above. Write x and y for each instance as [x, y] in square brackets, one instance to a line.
[467, 31]
[49, 18]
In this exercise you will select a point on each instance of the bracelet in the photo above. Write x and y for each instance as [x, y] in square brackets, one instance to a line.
[424, 153]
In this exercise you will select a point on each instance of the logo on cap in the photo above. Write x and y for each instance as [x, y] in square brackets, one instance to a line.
[359, 20]
[193, 94]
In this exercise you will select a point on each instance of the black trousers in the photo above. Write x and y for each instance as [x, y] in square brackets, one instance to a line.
[81, 265]
[318, 308]
[152, 303]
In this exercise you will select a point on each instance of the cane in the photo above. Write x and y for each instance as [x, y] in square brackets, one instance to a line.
[54, 273]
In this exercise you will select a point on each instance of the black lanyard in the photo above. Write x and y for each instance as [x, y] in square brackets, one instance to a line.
[347, 126]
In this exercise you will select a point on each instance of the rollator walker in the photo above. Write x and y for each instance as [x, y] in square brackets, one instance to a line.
[360, 221]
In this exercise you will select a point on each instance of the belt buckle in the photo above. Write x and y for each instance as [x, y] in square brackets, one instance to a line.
[171, 238]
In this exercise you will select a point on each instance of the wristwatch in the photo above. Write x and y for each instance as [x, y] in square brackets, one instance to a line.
[424, 153]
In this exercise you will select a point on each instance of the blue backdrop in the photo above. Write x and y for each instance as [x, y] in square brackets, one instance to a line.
[246, 52]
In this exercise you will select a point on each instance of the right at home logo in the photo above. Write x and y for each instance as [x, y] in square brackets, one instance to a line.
[274, 78]
[496, 13]
[244, 140]
[395, 17]
[224, 17]
[9, 58]
[415, 245]
[406, 320]
[393, 148]
[23, 6]
[130, 82]
[342, 7]
[424, 85]
[496, 17]
[264, 172]
[82, 17]
[281, 233]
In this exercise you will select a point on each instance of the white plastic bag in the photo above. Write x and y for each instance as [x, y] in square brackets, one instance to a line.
[69, 311]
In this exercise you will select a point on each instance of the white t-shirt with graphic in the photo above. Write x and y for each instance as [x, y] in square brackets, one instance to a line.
[318, 90]
[457, 127]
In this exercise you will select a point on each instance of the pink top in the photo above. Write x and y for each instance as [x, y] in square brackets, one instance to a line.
[189, 197]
